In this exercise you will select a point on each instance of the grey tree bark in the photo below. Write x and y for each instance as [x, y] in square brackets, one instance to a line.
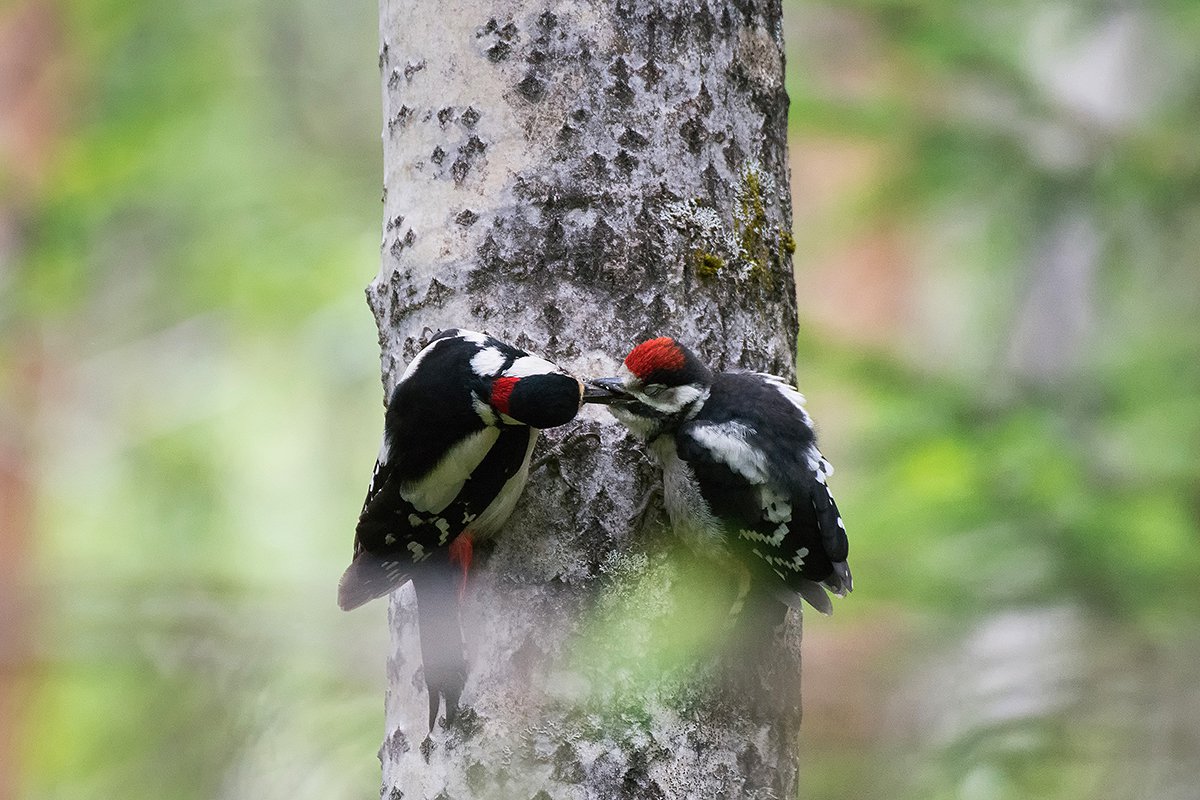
[575, 177]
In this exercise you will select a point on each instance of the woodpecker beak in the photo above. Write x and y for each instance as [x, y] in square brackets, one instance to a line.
[605, 391]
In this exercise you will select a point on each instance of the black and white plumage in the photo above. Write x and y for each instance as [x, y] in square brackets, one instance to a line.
[741, 470]
[459, 430]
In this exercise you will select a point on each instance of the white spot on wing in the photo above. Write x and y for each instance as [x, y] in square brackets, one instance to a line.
[385, 450]
[776, 507]
[729, 443]
[474, 337]
[821, 468]
[530, 365]
[487, 362]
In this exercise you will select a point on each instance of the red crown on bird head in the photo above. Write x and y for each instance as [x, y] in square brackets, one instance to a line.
[656, 354]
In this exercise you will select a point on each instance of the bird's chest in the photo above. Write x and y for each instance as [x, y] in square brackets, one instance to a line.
[689, 512]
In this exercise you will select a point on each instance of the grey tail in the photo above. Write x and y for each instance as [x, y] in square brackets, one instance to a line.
[815, 595]
[444, 664]
[368, 577]
[811, 592]
[840, 581]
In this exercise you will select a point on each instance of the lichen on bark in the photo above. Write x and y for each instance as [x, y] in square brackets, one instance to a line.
[536, 159]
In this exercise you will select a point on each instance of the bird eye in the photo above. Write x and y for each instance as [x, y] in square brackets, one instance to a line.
[654, 390]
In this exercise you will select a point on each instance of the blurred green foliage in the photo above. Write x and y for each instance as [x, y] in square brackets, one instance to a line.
[978, 483]
[187, 286]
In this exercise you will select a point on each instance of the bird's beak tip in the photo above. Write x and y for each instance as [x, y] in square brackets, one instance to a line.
[603, 391]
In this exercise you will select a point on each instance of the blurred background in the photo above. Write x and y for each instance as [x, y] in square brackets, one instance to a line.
[997, 213]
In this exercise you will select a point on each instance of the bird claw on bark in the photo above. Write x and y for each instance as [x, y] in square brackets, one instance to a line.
[445, 686]
[641, 514]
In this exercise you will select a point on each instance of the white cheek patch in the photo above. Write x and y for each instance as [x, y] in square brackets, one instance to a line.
[530, 365]
[487, 362]
[729, 442]
[673, 400]
[385, 450]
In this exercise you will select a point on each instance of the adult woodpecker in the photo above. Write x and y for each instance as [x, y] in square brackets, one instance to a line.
[458, 433]
[741, 470]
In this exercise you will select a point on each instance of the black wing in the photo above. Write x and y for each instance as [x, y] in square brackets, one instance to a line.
[393, 535]
[760, 472]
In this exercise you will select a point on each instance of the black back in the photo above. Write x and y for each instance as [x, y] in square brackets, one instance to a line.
[429, 412]
[777, 428]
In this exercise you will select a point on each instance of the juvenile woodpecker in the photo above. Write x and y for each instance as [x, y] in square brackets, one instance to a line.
[458, 433]
[741, 470]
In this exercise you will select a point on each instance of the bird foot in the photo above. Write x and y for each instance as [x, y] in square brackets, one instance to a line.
[642, 513]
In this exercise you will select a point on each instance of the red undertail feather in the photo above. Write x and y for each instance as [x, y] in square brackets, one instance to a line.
[461, 553]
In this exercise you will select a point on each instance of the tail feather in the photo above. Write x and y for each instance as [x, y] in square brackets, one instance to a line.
[816, 597]
[840, 582]
[368, 577]
[445, 666]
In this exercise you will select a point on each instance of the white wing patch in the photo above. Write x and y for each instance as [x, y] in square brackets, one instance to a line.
[438, 489]
[474, 337]
[776, 507]
[530, 365]
[729, 442]
[775, 539]
[795, 563]
[487, 362]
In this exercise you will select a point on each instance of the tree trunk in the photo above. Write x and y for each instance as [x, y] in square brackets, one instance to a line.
[574, 178]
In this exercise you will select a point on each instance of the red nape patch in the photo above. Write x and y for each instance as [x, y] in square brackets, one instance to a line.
[653, 355]
[502, 389]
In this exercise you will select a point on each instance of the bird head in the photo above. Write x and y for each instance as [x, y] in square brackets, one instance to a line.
[660, 384]
[532, 391]
[539, 401]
